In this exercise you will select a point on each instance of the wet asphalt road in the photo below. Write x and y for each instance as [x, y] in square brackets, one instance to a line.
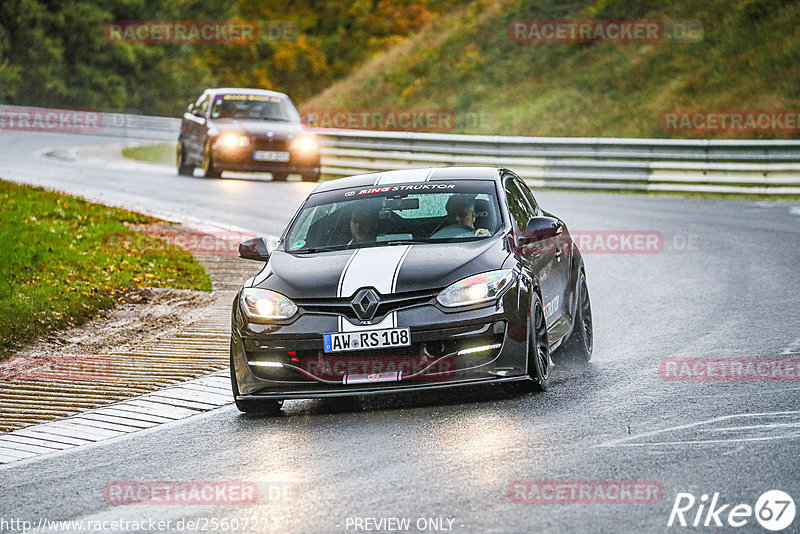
[725, 285]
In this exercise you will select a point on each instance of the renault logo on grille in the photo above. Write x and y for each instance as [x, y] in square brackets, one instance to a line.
[365, 304]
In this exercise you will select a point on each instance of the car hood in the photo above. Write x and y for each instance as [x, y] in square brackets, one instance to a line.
[281, 130]
[388, 269]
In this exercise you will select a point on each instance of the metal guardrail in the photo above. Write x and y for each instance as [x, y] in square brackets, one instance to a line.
[141, 126]
[715, 166]
[765, 167]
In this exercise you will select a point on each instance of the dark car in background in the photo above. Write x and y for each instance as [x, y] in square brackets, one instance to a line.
[246, 130]
[407, 280]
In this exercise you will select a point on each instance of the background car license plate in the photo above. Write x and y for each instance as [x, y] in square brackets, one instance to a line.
[264, 155]
[368, 339]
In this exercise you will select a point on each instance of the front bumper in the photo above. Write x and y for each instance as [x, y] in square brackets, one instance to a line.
[242, 159]
[477, 345]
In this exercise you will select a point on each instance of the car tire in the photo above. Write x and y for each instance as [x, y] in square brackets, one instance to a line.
[280, 176]
[580, 343]
[208, 163]
[313, 177]
[184, 169]
[253, 406]
[538, 349]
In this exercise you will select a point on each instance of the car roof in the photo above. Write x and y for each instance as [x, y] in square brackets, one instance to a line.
[406, 176]
[244, 90]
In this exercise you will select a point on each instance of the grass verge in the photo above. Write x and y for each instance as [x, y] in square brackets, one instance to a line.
[151, 153]
[64, 259]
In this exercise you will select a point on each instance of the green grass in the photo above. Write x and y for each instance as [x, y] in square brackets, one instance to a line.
[63, 259]
[467, 63]
[151, 153]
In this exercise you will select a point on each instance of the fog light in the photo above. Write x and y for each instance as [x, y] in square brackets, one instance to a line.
[483, 348]
[264, 364]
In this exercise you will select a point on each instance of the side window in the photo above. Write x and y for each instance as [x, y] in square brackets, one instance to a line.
[529, 197]
[517, 205]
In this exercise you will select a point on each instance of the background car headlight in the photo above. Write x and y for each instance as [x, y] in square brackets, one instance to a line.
[233, 140]
[304, 143]
[266, 304]
[476, 289]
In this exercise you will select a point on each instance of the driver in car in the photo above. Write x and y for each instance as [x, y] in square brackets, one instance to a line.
[460, 219]
[363, 225]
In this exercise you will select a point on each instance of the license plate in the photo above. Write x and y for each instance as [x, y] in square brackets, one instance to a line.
[367, 339]
[264, 155]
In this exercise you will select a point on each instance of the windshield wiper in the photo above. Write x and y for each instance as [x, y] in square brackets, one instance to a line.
[403, 242]
[309, 250]
[314, 250]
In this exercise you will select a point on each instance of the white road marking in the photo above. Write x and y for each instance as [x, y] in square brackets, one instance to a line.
[629, 441]
[793, 348]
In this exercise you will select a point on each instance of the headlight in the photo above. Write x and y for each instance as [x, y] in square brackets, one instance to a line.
[266, 304]
[476, 289]
[233, 140]
[304, 143]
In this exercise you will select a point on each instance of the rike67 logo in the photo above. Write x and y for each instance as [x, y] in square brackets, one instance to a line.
[774, 510]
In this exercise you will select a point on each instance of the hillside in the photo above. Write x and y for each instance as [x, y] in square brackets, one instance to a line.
[465, 61]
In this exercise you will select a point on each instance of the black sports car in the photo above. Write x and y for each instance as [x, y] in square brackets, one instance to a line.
[414, 279]
[248, 130]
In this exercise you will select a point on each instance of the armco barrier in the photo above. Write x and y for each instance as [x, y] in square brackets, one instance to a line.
[718, 166]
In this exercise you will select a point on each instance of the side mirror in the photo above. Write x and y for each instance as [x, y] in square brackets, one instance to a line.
[537, 230]
[541, 228]
[198, 113]
[254, 249]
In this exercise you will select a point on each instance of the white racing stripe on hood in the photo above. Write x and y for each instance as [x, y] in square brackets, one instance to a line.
[376, 267]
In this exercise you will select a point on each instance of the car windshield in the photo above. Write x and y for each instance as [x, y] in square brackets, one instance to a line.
[432, 212]
[258, 107]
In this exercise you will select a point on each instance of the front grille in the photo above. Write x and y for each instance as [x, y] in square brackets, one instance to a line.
[388, 304]
[270, 145]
